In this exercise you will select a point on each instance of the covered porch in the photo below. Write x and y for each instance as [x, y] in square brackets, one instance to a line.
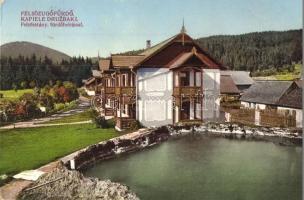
[187, 94]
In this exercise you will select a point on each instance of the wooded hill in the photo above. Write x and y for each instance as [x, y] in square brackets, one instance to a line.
[260, 51]
[24, 72]
[27, 49]
[24, 63]
[263, 53]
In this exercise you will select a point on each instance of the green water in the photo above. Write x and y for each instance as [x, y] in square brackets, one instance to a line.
[200, 167]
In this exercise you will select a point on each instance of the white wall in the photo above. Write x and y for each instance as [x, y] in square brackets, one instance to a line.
[260, 106]
[245, 104]
[253, 105]
[154, 96]
[211, 91]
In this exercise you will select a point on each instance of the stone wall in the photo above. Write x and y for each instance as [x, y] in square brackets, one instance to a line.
[111, 148]
[139, 140]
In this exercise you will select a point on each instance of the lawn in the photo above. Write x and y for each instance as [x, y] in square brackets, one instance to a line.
[84, 116]
[285, 75]
[13, 95]
[29, 148]
[290, 75]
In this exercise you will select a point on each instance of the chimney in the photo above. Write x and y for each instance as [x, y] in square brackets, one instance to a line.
[148, 44]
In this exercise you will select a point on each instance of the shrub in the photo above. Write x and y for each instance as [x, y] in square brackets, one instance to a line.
[23, 84]
[100, 121]
[32, 84]
[67, 92]
[58, 83]
[111, 123]
[135, 125]
[70, 105]
[83, 93]
[46, 101]
[15, 87]
[59, 106]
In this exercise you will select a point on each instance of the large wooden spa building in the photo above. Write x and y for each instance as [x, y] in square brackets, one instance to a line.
[171, 82]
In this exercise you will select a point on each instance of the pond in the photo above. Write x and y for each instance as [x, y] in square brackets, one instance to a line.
[201, 167]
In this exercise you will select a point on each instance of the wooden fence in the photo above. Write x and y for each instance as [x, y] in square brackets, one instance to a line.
[278, 118]
[267, 117]
[244, 116]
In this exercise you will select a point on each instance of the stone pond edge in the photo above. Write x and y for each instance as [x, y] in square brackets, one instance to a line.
[144, 138]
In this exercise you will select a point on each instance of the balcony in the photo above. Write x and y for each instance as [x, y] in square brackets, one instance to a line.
[107, 90]
[189, 91]
[128, 91]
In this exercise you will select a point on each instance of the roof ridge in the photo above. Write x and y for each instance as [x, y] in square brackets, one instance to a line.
[127, 55]
[162, 42]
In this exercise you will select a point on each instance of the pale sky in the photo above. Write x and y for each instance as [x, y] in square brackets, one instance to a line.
[112, 26]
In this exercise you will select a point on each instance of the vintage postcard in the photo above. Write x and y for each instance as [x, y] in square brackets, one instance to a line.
[151, 100]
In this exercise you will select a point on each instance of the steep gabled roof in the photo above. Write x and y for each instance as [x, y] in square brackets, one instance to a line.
[157, 47]
[126, 61]
[299, 83]
[239, 77]
[208, 60]
[104, 64]
[292, 98]
[121, 61]
[266, 92]
[183, 57]
[227, 85]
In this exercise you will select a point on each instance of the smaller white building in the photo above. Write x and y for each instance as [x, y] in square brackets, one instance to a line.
[280, 95]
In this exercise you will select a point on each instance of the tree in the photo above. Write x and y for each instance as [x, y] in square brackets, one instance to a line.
[58, 83]
[23, 84]
[15, 87]
[32, 84]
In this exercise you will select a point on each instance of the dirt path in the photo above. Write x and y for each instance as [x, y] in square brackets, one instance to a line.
[83, 105]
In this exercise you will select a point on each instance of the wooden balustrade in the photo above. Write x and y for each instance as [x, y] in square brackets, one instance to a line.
[129, 91]
[107, 90]
[186, 91]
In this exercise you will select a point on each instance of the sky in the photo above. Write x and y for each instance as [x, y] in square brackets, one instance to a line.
[112, 26]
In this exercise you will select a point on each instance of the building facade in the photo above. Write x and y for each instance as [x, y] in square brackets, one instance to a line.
[171, 82]
[277, 95]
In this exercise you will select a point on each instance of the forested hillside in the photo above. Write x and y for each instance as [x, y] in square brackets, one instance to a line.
[24, 72]
[262, 53]
[256, 52]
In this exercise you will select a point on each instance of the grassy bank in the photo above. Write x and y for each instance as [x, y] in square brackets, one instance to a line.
[29, 148]
[13, 95]
[284, 75]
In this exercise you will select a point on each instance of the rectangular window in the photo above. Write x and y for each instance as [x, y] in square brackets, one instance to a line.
[198, 79]
[124, 80]
[184, 78]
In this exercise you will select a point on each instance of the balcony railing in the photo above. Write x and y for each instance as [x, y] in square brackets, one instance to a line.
[129, 91]
[187, 91]
[107, 90]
